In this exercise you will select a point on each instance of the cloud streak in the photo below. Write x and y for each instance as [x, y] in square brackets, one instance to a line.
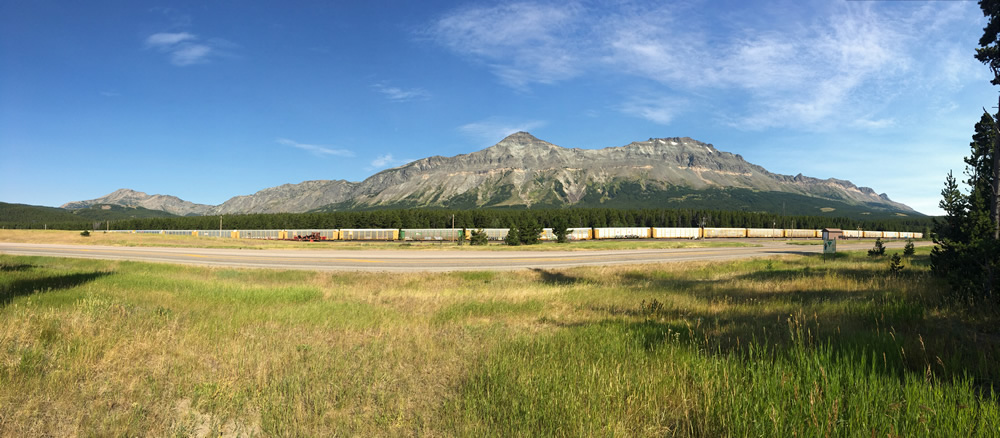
[492, 130]
[830, 69]
[522, 43]
[317, 150]
[396, 94]
[184, 49]
[386, 161]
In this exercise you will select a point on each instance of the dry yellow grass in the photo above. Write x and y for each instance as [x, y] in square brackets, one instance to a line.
[122, 348]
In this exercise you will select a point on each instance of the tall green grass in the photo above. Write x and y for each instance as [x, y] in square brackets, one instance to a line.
[793, 346]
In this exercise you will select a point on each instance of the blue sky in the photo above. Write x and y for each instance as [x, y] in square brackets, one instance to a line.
[209, 100]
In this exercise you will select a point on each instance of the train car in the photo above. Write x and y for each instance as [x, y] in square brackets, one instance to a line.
[433, 234]
[676, 233]
[214, 233]
[369, 234]
[853, 234]
[496, 233]
[709, 233]
[802, 234]
[890, 234]
[261, 234]
[622, 233]
[765, 232]
[571, 234]
[326, 234]
[871, 234]
[177, 232]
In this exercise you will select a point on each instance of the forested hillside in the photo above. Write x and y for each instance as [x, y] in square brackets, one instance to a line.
[36, 216]
[500, 218]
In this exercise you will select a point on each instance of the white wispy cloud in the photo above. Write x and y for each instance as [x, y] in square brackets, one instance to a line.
[166, 39]
[317, 150]
[397, 94]
[492, 130]
[831, 65]
[387, 160]
[656, 110]
[185, 48]
[522, 43]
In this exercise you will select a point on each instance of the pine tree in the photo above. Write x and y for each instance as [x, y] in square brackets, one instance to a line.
[513, 236]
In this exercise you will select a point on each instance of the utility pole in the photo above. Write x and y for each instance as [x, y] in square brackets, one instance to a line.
[453, 228]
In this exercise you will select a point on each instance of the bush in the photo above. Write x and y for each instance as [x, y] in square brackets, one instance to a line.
[895, 264]
[878, 250]
[909, 250]
[85, 233]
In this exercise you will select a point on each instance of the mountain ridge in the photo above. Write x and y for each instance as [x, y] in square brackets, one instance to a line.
[523, 171]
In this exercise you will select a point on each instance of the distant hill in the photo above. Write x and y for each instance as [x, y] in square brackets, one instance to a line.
[139, 200]
[35, 214]
[522, 171]
[23, 214]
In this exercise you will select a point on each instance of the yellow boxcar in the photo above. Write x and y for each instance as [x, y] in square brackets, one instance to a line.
[724, 232]
[765, 232]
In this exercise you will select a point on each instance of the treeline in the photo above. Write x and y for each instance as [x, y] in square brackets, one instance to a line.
[490, 218]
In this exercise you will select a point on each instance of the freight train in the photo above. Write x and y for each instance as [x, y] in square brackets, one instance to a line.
[495, 234]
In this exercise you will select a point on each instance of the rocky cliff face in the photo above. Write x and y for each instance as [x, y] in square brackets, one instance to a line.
[301, 197]
[536, 171]
[522, 170]
[132, 198]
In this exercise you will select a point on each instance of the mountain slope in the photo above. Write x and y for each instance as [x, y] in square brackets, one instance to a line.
[522, 171]
[132, 198]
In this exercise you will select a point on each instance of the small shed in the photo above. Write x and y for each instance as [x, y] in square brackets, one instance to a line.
[833, 233]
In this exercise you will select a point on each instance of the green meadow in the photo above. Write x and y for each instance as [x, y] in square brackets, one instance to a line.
[792, 346]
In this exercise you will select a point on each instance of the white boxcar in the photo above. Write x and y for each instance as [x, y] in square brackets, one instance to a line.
[178, 232]
[765, 232]
[327, 234]
[369, 234]
[434, 234]
[890, 234]
[852, 234]
[621, 233]
[496, 233]
[871, 234]
[260, 234]
[800, 234]
[215, 233]
[725, 232]
[676, 233]
[572, 234]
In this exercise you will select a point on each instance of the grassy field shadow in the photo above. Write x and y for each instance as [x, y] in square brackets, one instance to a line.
[25, 287]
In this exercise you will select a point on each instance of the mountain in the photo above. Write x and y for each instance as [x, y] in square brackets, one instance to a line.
[522, 171]
[132, 198]
[305, 196]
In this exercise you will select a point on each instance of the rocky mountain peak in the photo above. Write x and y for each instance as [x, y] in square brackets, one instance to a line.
[132, 198]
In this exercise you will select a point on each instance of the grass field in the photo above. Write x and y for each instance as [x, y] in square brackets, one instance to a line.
[157, 240]
[796, 346]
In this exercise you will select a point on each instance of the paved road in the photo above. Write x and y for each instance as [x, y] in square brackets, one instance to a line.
[410, 260]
